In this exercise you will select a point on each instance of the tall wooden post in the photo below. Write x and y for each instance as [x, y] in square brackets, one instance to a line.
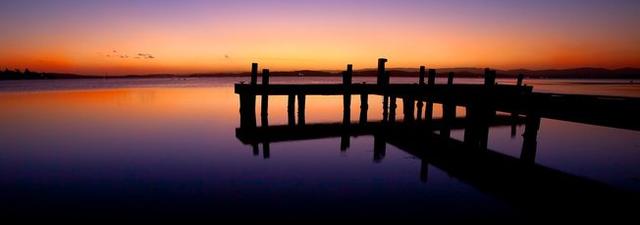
[301, 109]
[291, 110]
[364, 107]
[489, 77]
[432, 77]
[421, 75]
[265, 98]
[254, 74]
[346, 102]
[381, 72]
[448, 108]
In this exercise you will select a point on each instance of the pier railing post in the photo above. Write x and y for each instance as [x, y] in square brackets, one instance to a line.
[364, 107]
[265, 98]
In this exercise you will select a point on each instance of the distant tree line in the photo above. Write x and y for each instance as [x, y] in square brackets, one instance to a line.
[27, 74]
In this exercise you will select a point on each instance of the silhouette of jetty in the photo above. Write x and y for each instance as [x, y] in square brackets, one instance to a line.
[519, 181]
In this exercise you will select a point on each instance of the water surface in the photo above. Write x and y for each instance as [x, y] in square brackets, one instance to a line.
[160, 147]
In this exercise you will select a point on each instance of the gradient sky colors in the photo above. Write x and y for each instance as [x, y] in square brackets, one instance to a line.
[140, 36]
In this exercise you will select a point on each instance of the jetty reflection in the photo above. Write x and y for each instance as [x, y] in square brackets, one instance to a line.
[519, 181]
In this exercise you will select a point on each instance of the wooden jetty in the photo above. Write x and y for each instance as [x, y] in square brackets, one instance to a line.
[517, 180]
[619, 112]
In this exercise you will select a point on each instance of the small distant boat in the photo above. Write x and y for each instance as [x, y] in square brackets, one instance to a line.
[300, 74]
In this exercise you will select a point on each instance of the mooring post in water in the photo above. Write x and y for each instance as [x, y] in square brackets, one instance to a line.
[301, 108]
[254, 74]
[392, 108]
[450, 80]
[265, 98]
[364, 107]
[530, 142]
[520, 78]
[381, 72]
[346, 102]
[291, 110]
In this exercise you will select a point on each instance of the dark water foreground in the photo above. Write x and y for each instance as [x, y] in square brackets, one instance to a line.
[166, 151]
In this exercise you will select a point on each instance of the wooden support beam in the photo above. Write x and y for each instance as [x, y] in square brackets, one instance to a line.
[264, 109]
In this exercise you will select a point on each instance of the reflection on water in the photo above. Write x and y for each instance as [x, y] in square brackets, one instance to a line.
[169, 150]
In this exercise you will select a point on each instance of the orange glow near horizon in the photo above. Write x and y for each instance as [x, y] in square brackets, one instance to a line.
[205, 40]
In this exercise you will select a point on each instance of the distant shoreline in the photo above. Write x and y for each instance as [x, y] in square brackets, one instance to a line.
[580, 73]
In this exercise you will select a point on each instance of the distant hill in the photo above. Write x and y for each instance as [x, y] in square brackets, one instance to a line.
[577, 73]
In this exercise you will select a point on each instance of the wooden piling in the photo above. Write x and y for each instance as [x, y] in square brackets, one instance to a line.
[385, 108]
[450, 79]
[381, 72]
[301, 109]
[265, 98]
[392, 108]
[347, 75]
[408, 105]
[421, 75]
[291, 109]
[419, 107]
[254, 74]
[432, 77]
[364, 107]
[489, 77]
[346, 102]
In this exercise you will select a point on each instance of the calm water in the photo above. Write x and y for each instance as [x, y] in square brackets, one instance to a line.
[166, 148]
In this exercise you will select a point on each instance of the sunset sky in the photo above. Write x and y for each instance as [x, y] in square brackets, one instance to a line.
[140, 36]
